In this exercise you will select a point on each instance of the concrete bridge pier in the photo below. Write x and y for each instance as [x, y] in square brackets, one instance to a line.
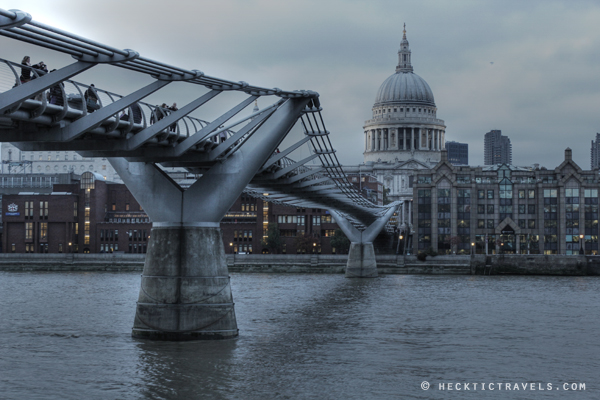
[185, 292]
[361, 257]
[361, 261]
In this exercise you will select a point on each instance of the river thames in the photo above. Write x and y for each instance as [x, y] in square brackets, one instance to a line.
[67, 336]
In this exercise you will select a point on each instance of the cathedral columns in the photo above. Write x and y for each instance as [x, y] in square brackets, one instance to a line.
[372, 139]
[386, 139]
[403, 138]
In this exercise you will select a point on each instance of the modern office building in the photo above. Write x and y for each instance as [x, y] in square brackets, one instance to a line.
[496, 148]
[507, 209]
[458, 153]
[595, 152]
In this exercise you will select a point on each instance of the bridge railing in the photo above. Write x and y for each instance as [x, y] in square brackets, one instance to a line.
[72, 95]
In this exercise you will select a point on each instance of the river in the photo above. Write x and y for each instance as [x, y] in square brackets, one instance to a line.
[302, 336]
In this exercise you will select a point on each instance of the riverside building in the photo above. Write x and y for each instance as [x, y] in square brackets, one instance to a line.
[68, 214]
[504, 209]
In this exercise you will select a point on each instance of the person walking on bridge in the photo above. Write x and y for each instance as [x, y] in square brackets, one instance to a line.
[91, 99]
[25, 70]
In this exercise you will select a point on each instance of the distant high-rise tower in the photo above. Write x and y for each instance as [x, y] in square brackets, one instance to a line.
[458, 153]
[496, 148]
[596, 152]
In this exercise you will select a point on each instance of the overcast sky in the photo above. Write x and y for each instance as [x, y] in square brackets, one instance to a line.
[530, 68]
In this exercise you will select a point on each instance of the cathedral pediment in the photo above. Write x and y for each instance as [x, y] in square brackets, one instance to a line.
[412, 164]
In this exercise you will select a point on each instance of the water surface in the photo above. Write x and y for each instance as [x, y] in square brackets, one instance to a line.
[67, 336]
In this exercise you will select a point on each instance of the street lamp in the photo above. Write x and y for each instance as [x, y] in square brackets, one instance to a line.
[580, 244]
[472, 248]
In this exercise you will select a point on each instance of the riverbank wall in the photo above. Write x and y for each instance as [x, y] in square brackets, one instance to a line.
[520, 264]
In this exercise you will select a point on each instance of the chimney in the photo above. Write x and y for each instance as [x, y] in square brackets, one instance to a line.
[568, 154]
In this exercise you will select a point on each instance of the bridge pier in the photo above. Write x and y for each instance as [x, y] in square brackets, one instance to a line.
[185, 292]
[361, 261]
[361, 257]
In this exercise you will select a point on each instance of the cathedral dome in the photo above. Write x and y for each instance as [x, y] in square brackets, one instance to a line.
[405, 87]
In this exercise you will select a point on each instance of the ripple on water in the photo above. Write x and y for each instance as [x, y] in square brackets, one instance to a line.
[67, 335]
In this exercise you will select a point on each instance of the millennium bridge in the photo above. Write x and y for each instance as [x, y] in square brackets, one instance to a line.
[185, 292]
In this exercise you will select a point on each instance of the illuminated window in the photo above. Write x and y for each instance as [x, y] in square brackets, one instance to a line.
[43, 231]
[28, 230]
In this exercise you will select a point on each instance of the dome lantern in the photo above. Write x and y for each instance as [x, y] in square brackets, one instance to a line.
[404, 64]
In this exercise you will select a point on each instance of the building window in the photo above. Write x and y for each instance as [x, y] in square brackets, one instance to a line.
[113, 207]
[43, 231]
[43, 210]
[490, 209]
[29, 210]
[490, 194]
[481, 194]
[490, 224]
[75, 209]
[28, 230]
[126, 206]
[12, 248]
[521, 194]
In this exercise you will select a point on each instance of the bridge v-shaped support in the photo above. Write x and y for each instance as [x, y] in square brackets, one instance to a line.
[361, 256]
[185, 292]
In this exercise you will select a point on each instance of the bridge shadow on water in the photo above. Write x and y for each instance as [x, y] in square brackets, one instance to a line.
[297, 338]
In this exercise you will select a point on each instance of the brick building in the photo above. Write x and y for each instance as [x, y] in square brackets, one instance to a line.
[95, 216]
[91, 216]
[247, 223]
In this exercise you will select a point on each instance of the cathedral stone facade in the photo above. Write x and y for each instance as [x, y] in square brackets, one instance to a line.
[404, 135]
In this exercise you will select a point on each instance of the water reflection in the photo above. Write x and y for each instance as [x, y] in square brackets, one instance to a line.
[186, 370]
[68, 336]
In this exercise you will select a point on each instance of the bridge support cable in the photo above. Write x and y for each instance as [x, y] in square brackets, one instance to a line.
[361, 256]
[185, 292]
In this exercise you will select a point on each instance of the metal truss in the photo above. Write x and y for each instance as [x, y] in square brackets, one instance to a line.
[125, 126]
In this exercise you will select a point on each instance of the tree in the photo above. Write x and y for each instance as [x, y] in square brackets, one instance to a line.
[340, 242]
[453, 241]
[273, 242]
[386, 193]
[304, 243]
